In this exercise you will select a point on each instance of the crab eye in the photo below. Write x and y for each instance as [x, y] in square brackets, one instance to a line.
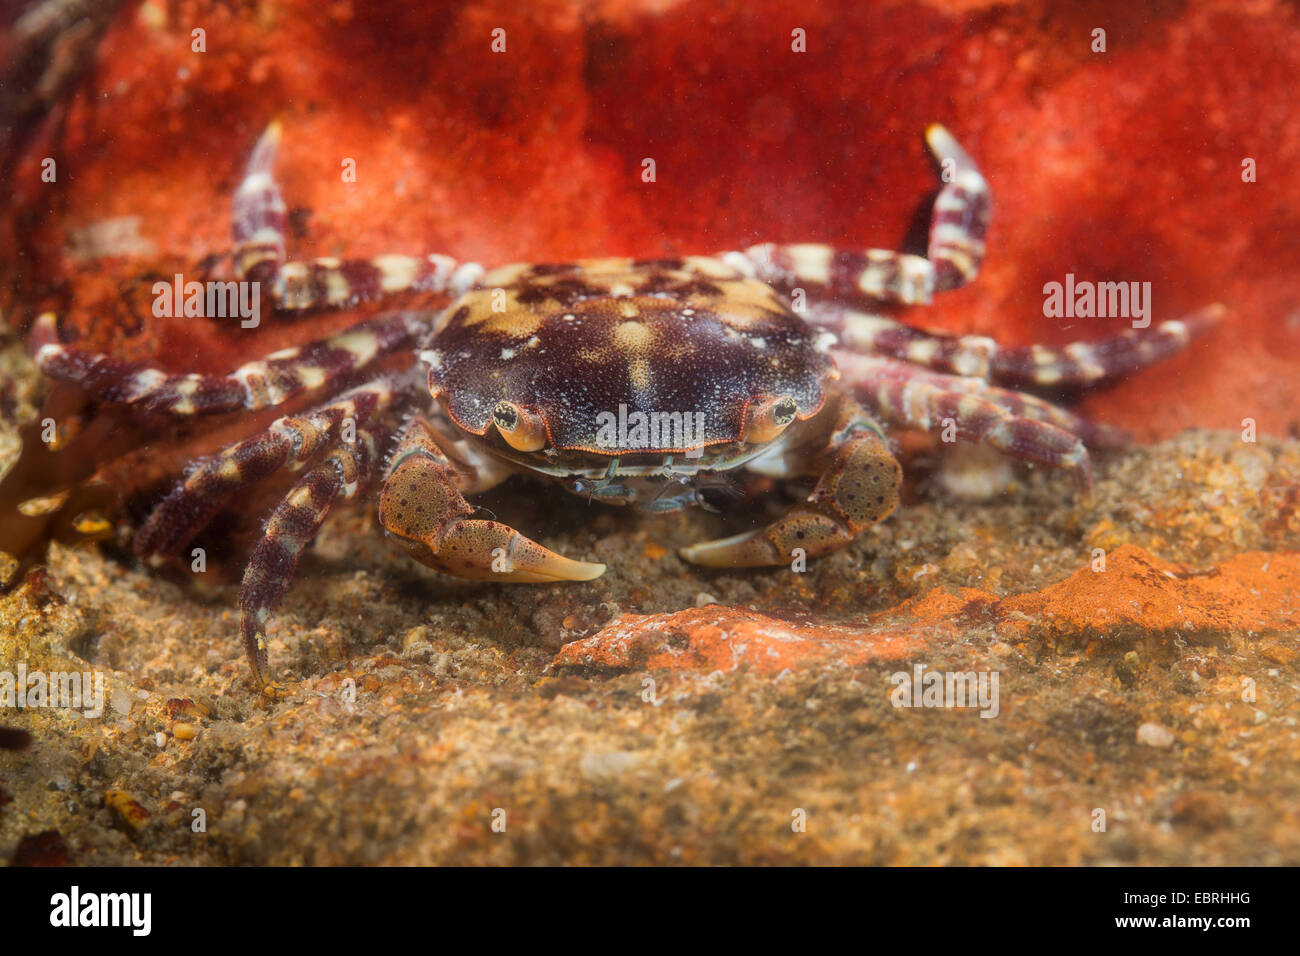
[506, 416]
[768, 417]
[783, 411]
[523, 430]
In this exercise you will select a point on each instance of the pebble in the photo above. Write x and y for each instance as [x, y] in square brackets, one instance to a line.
[1154, 735]
[120, 700]
[416, 637]
[126, 810]
[607, 765]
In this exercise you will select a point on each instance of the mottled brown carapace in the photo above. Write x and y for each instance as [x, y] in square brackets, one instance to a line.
[576, 342]
[636, 382]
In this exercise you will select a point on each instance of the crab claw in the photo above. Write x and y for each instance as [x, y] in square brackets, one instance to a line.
[859, 487]
[421, 505]
[803, 528]
[489, 550]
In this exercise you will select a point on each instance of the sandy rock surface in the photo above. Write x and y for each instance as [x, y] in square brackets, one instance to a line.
[696, 717]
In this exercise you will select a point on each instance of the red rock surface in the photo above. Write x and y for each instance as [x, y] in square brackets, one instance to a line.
[1116, 165]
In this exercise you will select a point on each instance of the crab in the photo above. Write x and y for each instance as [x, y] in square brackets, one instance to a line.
[630, 381]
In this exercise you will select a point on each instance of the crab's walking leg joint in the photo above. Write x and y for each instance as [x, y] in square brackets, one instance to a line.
[956, 249]
[288, 442]
[260, 219]
[292, 526]
[262, 384]
[421, 504]
[858, 488]
[1020, 425]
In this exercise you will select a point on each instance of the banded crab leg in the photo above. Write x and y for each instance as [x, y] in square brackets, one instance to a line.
[958, 226]
[1020, 425]
[1076, 365]
[289, 442]
[422, 505]
[858, 487]
[345, 470]
[146, 393]
[260, 219]
[1082, 364]
[251, 387]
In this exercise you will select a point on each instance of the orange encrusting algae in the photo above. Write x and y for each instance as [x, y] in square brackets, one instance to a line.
[1136, 593]
[717, 638]
[1252, 592]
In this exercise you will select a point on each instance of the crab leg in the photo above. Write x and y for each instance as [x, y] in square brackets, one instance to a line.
[257, 385]
[858, 488]
[969, 355]
[1086, 363]
[1020, 425]
[260, 219]
[1075, 365]
[291, 527]
[288, 442]
[420, 503]
[956, 246]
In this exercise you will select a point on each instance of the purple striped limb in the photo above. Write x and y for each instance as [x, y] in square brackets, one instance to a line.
[260, 219]
[345, 470]
[958, 226]
[1076, 365]
[858, 488]
[1081, 364]
[289, 442]
[257, 385]
[969, 409]
[421, 505]
[966, 355]
[961, 213]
